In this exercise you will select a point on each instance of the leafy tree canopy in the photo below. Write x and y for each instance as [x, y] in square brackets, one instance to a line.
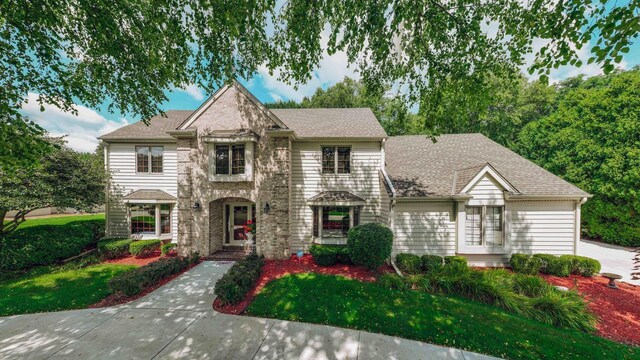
[128, 52]
[593, 141]
[64, 179]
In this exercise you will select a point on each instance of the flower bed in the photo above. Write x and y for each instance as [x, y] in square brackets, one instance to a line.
[274, 269]
[618, 310]
[132, 260]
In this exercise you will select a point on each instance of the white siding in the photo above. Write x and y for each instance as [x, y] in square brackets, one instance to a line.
[122, 165]
[385, 203]
[307, 181]
[541, 226]
[424, 228]
[486, 191]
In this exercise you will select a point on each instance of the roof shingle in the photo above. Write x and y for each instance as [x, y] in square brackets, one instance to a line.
[419, 167]
[156, 130]
[332, 122]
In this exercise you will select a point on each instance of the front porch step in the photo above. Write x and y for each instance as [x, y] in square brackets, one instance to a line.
[227, 255]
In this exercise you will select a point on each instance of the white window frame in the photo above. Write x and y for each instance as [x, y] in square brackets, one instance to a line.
[332, 240]
[248, 160]
[483, 248]
[149, 171]
[158, 226]
[335, 159]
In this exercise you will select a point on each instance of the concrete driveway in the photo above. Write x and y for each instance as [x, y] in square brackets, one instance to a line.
[615, 259]
[177, 321]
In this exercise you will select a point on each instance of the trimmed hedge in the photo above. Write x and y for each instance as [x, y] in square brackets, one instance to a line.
[114, 248]
[47, 244]
[456, 264]
[165, 249]
[554, 265]
[239, 280]
[135, 281]
[327, 255]
[408, 263]
[432, 263]
[582, 265]
[143, 248]
[369, 245]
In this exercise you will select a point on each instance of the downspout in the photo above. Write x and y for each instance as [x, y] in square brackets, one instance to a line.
[393, 193]
[576, 225]
[106, 190]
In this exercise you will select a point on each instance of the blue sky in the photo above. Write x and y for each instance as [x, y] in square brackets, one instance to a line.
[81, 131]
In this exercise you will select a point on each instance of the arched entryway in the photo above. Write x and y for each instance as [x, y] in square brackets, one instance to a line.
[227, 219]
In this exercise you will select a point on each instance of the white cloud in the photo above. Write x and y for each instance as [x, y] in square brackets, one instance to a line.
[331, 70]
[80, 131]
[194, 91]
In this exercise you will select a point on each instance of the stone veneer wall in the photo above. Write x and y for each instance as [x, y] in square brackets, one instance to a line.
[197, 230]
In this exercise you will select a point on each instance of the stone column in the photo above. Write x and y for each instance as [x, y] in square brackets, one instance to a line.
[184, 205]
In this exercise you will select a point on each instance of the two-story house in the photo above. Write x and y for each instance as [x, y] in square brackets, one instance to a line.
[307, 176]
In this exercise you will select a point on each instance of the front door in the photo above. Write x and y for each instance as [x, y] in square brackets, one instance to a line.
[238, 215]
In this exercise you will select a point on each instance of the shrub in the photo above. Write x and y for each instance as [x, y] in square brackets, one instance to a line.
[525, 264]
[143, 248]
[564, 309]
[418, 282]
[134, 281]
[165, 249]
[553, 265]
[455, 264]
[239, 280]
[392, 281]
[47, 244]
[408, 263]
[327, 255]
[530, 286]
[114, 248]
[582, 265]
[431, 263]
[369, 245]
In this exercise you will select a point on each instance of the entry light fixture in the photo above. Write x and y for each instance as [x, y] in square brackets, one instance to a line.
[196, 206]
[267, 208]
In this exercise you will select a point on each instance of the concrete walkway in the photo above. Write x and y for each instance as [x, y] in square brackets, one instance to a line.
[177, 321]
[614, 259]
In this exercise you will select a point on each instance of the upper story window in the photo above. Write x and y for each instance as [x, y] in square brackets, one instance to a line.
[149, 159]
[229, 159]
[484, 225]
[336, 159]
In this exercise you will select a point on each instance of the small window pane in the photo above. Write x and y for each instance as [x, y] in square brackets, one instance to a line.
[344, 160]
[165, 219]
[315, 221]
[335, 222]
[156, 159]
[473, 229]
[143, 219]
[237, 165]
[142, 159]
[328, 160]
[493, 225]
[222, 159]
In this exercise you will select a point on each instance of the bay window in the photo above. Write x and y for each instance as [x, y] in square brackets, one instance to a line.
[150, 219]
[333, 222]
[483, 226]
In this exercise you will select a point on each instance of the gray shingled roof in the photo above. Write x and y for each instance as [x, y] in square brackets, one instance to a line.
[150, 195]
[157, 129]
[419, 167]
[332, 123]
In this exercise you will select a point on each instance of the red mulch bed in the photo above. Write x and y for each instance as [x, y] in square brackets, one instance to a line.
[618, 310]
[116, 299]
[274, 269]
[132, 260]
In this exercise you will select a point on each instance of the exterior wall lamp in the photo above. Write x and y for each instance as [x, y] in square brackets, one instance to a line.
[196, 206]
[266, 208]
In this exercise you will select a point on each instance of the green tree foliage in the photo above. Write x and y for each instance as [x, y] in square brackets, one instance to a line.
[392, 112]
[593, 141]
[65, 178]
[127, 53]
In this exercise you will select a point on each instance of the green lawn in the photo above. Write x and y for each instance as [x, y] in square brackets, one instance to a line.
[59, 220]
[448, 321]
[45, 289]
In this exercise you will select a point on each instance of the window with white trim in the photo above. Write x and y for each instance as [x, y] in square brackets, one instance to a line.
[336, 159]
[483, 225]
[229, 159]
[334, 222]
[152, 219]
[149, 159]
